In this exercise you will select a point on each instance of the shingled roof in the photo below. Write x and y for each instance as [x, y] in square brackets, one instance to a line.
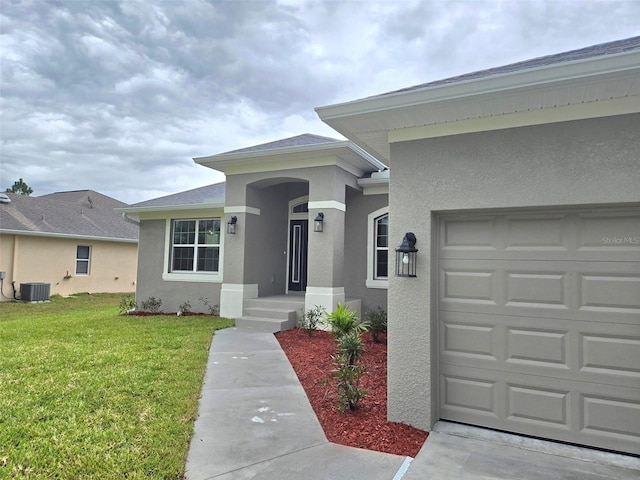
[303, 140]
[209, 195]
[80, 213]
[594, 51]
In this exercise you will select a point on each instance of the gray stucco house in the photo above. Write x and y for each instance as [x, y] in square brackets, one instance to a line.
[522, 186]
[273, 193]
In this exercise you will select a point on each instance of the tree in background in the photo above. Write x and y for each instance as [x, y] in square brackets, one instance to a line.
[20, 187]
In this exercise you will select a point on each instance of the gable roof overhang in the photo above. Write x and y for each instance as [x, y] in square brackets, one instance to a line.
[585, 88]
[342, 153]
[133, 210]
[209, 197]
[71, 236]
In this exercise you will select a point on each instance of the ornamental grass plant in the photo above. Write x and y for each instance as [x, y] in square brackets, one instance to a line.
[87, 393]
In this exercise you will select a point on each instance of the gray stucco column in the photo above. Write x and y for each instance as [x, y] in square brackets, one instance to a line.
[325, 280]
[235, 288]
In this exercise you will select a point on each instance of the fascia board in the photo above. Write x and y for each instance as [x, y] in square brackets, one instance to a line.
[67, 236]
[181, 214]
[379, 166]
[522, 79]
[373, 182]
[280, 164]
[169, 208]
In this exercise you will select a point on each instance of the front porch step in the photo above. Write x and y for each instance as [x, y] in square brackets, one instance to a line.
[268, 312]
[267, 325]
[285, 302]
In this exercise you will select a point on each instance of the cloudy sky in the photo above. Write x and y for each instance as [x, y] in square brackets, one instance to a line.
[119, 96]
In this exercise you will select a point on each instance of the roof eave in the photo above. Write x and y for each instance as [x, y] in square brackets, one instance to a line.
[524, 79]
[67, 235]
[170, 208]
[222, 161]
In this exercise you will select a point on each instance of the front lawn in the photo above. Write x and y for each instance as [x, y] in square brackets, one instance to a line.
[86, 393]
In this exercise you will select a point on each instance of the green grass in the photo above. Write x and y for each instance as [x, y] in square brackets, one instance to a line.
[86, 393]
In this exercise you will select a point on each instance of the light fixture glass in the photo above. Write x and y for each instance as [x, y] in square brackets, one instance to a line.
[231, 225]
[406, 256]
[318, 222]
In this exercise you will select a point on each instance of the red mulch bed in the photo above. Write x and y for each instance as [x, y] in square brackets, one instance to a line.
[367, 427]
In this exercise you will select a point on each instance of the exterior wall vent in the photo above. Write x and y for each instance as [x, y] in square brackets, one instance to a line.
[35, 292]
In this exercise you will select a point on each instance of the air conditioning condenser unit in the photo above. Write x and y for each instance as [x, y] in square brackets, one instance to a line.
[35, 292]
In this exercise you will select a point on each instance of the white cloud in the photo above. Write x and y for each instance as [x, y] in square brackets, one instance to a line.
[118, 96]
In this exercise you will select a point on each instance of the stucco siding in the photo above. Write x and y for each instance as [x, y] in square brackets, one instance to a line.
[356, 241]
[266, 242]
[150, 270]
[587, 162]
[27, 259]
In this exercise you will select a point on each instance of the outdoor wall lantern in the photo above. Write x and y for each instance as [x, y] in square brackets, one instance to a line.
[231, 225]
[406, 256]
[317, 222]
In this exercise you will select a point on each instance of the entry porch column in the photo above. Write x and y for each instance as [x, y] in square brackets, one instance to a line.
[325, 279]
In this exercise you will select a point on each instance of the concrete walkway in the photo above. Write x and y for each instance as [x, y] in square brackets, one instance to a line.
[255, 422]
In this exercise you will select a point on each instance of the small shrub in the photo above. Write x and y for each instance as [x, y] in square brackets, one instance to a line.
[152, 305]
[127, 305]
[348, 371]
[184, 307]
[311, 319]
[344, 320]
[349, 391]
[350, 345]
[377, 321]
[212, 309]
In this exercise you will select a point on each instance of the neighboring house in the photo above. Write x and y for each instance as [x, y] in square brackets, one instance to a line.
[73, 241]
[522, 187]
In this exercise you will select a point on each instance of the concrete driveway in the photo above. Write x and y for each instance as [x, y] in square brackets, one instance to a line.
[455, 451]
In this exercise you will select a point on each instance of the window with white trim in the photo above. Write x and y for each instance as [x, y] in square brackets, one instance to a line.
[378, 249]
[83, 257]
[195, 245]
[381, 248]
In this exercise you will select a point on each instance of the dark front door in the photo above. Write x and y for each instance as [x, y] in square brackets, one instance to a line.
[298, 242]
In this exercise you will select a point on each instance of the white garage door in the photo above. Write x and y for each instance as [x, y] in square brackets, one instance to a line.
[539, 324]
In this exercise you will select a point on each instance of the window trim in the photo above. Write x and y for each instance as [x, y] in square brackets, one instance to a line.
[182, 276]
[87, 260]
[371, 281]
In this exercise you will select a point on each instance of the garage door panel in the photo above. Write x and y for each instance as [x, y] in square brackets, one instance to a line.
[612, 417]
[560, 409]
[607, 236]
[582, 290]
[566, 349]
[469, 340]
[538, 348]
[465, 235]
[610, 354]
[609, 232]
[613, 293]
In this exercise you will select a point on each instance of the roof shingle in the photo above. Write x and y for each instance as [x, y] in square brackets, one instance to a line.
[209, 194]
[609, 48]
[83, 213]
[298, 141]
